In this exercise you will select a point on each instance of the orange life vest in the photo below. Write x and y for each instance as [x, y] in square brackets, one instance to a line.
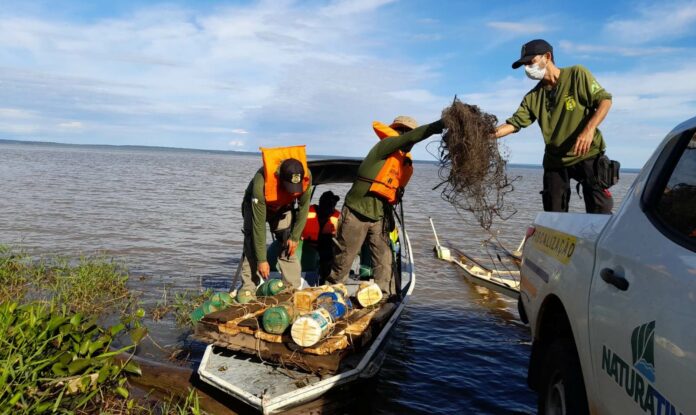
[311, 230]
[274, 192]
[396, 171]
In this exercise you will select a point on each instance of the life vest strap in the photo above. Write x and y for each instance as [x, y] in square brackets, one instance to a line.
[365, 179]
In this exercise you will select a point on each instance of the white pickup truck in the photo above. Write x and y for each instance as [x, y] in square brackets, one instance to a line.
[611, 299]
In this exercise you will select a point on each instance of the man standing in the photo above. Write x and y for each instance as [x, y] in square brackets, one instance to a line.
[367, 211]
[270, 197]
[569, 105]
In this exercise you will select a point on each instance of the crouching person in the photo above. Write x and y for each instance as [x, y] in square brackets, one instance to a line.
[321, 228]
[271, 197]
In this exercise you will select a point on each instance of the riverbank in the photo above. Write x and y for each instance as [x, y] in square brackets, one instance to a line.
[70, 328]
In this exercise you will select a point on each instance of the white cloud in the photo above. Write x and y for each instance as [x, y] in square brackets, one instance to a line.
[345, 7]
[660, 21]
[171, 73]
[15, 113]
[15, 128]
[519, 28]
[579, 48]
[415, 96]
[236, 143]
[71, 125]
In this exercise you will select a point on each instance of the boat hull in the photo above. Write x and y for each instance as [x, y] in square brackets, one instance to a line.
[272, 389]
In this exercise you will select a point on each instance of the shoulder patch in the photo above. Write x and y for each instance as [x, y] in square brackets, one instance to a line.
[595, 87]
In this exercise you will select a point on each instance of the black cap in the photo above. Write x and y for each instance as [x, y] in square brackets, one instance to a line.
[329, 198]
[530, 50]
[291, 174]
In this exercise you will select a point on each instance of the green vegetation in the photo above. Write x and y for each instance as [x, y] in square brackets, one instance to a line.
[90, 285]
[182, 305]
[55, 357]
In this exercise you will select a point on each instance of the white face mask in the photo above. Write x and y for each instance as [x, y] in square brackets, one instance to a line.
[535, 72]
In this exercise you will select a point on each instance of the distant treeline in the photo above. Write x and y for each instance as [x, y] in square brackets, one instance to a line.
[240, 153]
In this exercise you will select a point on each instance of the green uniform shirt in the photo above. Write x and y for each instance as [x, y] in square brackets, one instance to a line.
[359, 198]
[255, 197]
[562, 113]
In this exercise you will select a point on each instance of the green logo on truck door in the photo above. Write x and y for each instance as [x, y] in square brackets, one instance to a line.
[638, 379]
[643, 348]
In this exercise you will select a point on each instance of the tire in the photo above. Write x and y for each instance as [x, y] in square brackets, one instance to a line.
[562, 390]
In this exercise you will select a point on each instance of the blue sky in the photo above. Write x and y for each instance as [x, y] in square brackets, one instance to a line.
[236, 75]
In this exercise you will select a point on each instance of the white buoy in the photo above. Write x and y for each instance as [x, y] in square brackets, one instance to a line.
[369, 294]
[311, 328]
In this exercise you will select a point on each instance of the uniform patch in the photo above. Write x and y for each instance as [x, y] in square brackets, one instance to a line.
[255, 200]
[595, 87]
[553, 243]
[569, 103]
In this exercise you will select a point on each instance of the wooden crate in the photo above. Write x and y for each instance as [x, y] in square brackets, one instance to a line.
[237, 328]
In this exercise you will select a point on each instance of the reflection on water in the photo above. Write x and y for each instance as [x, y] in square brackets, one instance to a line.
[173, 218]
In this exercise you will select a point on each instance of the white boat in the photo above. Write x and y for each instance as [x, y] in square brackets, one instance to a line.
[505, 281]
[271, 388]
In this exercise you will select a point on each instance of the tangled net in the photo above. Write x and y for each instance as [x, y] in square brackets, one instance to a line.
[472, 169]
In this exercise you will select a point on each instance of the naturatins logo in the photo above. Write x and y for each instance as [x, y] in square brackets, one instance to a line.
[643, 348]
[638, 379]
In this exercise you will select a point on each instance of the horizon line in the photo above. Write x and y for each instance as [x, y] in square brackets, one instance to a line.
[241, 152]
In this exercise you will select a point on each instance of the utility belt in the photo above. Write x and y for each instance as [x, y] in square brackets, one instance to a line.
[606, 171]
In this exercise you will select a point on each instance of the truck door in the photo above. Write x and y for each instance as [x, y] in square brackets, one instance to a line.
[642, 309]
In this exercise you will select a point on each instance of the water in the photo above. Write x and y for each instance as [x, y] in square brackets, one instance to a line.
[173, 217]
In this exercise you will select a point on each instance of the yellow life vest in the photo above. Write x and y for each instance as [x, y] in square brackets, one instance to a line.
[396, 171]
[274, 192]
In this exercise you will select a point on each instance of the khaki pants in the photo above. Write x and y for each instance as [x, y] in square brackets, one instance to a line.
[289, 266]
[353, 231]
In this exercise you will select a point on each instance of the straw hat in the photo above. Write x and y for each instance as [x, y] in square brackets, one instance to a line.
[404, 121]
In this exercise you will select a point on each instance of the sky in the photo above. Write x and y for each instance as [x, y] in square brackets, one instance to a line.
[236, 75]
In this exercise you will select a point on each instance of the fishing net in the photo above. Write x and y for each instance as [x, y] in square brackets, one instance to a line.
[472, 169]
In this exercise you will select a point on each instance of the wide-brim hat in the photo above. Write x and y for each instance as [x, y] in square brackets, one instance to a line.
[404, 121]
[530, 50]
[291, 173]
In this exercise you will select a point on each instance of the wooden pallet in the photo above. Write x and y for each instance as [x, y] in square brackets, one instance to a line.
[237, 328]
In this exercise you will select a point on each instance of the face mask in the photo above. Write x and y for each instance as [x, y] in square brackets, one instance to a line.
[535, 72]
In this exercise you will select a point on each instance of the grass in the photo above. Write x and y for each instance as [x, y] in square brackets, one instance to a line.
[189, 405]
[54, 355]
[89, 285]
[182, 305]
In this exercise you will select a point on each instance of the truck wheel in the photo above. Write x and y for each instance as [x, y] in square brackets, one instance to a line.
[562, 390]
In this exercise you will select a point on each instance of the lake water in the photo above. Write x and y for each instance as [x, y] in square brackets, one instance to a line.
[173, 218]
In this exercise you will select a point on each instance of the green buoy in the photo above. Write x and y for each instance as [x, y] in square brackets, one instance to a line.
[277, 319]
[245, 296]
[270, 287]
[222, 297]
